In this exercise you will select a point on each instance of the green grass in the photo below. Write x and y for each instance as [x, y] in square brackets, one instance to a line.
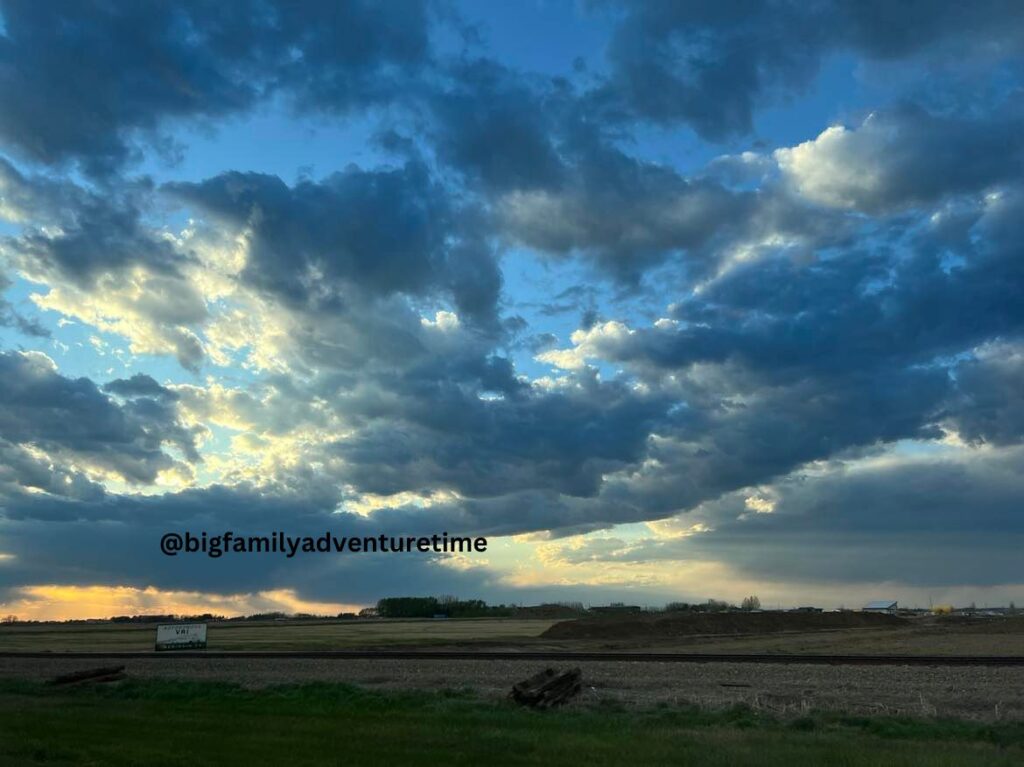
[199, 723]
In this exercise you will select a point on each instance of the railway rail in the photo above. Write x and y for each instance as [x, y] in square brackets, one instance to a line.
[552, 656]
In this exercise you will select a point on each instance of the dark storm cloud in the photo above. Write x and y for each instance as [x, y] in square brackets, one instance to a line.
[380, 232]
[23, 468]
[152, 63]
[82, 80]
[924, 521]
[733, 436]
[72, 420]
[929, 522]
[78, 233]
[992, 410]
[439, 435]
[115, 540]
[711, 64]
[498, 126]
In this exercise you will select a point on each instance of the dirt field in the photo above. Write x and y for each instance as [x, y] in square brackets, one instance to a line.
[794, 633]
[671, 625]
[984, 694]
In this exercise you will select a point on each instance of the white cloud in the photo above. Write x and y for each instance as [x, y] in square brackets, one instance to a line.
[840, 168]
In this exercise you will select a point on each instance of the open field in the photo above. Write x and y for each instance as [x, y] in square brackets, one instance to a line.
[789, 634]
[974, 693]
[165, 723]
[276, 635]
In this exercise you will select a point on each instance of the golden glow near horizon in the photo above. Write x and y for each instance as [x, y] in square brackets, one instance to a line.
[49, 602]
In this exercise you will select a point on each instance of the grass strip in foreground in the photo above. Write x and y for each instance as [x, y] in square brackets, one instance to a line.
[201, 723]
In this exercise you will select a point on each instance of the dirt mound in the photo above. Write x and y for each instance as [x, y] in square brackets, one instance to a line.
[663, 625]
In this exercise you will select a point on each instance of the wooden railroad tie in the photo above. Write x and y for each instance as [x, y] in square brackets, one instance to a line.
[547, 689]
[106, 674]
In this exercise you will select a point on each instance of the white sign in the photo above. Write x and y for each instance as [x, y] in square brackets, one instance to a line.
[181, 636]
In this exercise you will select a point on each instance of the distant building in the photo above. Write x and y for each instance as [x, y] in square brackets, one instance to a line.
[880, 606]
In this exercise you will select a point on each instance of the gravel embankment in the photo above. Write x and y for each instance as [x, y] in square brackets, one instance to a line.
[975, 693]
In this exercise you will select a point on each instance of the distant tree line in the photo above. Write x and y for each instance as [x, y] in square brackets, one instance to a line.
[448, 606]
[713, 606]
[205, 617]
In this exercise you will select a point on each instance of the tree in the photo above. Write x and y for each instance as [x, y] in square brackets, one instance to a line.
[408, 607]
[715, 606]
[750, 603]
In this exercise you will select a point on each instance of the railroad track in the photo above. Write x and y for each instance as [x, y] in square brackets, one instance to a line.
[553, 656]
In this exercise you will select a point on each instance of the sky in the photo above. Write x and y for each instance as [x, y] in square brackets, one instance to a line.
[669, 301]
